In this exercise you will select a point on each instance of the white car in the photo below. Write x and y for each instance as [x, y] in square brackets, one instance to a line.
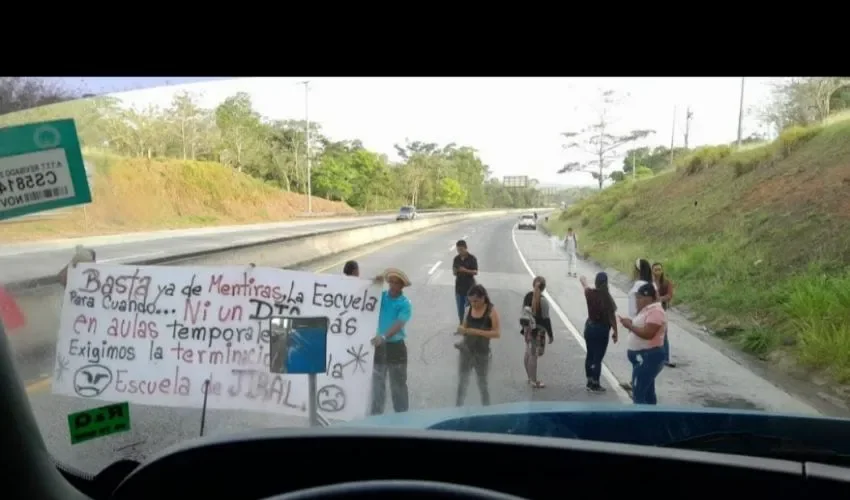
[527, 222]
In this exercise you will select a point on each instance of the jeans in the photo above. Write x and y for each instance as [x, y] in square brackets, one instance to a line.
[480, 362]
[572, 259]
[461, 302]
[390, 362]
[666, 345]
[646, 365]
[596, 338]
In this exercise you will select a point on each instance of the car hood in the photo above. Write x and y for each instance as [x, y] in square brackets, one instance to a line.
[617, 423]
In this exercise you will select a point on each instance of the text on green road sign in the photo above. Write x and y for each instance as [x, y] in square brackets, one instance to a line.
[99, 422]
[41, 168]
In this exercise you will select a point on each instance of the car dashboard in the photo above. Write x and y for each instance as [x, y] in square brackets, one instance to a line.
[265, 464]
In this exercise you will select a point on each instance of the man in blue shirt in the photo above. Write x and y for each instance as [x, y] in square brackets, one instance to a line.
[390, 349]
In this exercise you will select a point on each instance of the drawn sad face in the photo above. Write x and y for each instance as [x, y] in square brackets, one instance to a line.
[331, 398]
[92, 380]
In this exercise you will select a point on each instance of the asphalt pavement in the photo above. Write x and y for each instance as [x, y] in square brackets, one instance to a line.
[21, 262]
[426, 257]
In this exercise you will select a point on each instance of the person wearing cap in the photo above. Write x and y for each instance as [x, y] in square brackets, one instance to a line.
[351, 268]
[390, 348]
[465, 269]
[646, 344]
[601, 320]
[642, 274]
[81, 254]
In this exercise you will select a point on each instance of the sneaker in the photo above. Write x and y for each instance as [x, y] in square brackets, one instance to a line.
[598, 389]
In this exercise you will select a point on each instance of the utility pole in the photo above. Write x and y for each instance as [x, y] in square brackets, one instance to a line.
[307, 136]
[741, 113]
[688, 116]
[673, 135]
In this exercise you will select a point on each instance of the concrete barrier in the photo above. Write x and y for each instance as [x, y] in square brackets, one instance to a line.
[41, 305]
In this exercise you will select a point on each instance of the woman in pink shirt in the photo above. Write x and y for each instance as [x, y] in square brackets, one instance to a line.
[646, 344]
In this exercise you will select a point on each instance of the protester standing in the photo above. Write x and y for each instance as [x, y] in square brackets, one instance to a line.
[390, 348]
[665, 295]
[535, 335]
[646, 341]
[571, 245]
[480, 325]
[601, 320]
[81, 254]
[351, 268]
[465, 268]
[642, 274]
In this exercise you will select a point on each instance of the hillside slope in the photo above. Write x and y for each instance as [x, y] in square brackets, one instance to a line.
[757, 241]
[137, 195]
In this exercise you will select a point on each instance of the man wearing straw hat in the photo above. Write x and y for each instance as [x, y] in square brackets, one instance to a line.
[390, 349]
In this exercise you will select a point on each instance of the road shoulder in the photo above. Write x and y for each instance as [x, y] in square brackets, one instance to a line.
[704, 376]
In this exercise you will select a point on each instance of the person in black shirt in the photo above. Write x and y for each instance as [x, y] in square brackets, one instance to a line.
[465, 268]
[601, 319]
[480, 325]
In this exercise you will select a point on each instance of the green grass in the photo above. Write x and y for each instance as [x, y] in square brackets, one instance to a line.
[757, 240]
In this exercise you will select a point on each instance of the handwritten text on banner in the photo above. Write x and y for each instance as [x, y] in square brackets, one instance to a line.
[153, 335]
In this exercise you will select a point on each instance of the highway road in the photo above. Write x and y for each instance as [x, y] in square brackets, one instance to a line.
[28, 261]
[426, 257]
[508, 259]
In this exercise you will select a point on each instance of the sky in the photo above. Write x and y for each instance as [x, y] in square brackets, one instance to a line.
[514, 123]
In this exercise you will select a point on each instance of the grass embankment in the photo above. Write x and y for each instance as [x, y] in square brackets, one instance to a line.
[757, 240]
[144, 195]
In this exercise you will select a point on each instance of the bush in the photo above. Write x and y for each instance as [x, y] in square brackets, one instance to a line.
[703, 157]
[748, 160]
[793, 137]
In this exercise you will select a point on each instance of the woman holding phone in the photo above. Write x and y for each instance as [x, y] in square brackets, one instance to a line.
[535, 328]
[646, 344]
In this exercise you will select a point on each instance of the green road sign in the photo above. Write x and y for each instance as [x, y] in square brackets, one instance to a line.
[41, 168]
[99, 422]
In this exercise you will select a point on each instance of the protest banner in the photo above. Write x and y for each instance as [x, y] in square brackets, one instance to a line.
[154, 335]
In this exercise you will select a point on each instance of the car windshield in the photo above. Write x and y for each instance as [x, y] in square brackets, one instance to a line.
[179, 244]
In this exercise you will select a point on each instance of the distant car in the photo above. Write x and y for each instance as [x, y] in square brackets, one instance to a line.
[527, 222]
[406, 213]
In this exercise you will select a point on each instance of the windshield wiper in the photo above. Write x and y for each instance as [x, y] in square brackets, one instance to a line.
[761, 445]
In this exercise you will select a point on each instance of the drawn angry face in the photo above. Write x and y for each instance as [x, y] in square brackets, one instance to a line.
[330, 398]
[92, 380]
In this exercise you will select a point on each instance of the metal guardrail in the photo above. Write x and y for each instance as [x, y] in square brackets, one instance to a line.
[53, 278]
[64, 212]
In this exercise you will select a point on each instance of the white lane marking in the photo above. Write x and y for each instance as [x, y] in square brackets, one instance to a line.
[131, 257]
[606, 372]
[452, 248]
[435, 267]
[434, 277]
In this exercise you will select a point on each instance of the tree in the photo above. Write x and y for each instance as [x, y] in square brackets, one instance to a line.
[598, 141]
[429, 174]
[803, 101]
[19, 93]
[238, 124]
